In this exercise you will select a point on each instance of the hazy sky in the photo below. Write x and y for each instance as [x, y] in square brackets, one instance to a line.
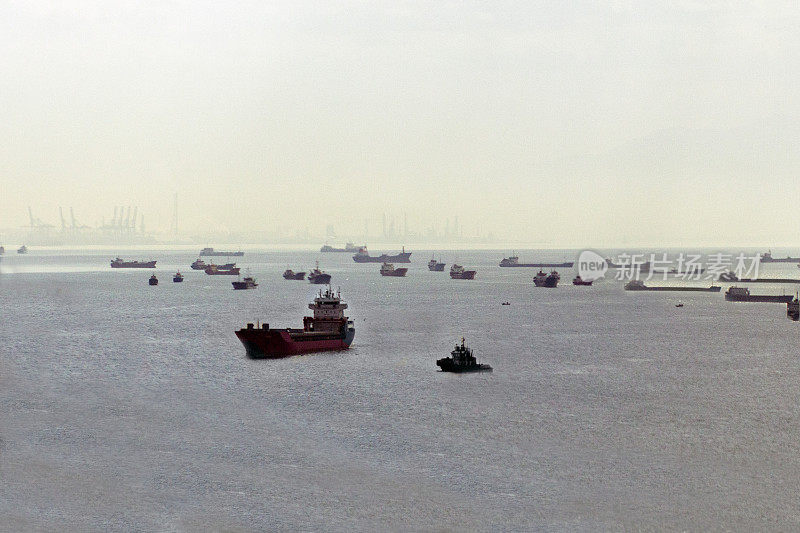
[581, 124]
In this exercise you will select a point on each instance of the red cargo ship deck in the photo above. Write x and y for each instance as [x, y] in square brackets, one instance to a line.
[327, 330]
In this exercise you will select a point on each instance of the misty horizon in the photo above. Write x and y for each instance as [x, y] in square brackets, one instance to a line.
[595, 125]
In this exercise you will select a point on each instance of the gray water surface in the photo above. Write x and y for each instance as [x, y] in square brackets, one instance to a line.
[130, 407]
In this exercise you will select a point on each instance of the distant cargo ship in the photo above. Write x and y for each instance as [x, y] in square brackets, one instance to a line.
[349, 247]
[458, 272]
[513, 261]
[212, 252]
[329, 329]
[245, 283]
[388, 269]
[363, 257]
[121, 263]
[638, 285]
[766, 257]
[22, 249]
[217, 270]
[742, 294]
[435, 266]
[542, 279]
[291, 274]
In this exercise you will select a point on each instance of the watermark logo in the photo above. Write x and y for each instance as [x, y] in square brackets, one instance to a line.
[591, 266]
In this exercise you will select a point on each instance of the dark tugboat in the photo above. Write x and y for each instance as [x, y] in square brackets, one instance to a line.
[327, 330]
[435, 266]
[199, 265]
[291, 274]
[178, 278]
[246, 283]
[461, 360]
[388, 269]
[319, 277]
[580, 281]
[458, 272]
[153, 280]
[547, 280]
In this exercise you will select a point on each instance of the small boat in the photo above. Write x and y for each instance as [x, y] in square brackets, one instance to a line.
[679, 304]
[290, 274]
[319, 277]
[543, 279]
[461, 360]
[22, 249]
[177, 278]
[579, 281]
[506, 303]
[388, 269]
[246, 283]
[153, 280]
[199, 264]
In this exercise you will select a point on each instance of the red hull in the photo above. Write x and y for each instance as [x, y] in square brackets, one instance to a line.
[274, 343]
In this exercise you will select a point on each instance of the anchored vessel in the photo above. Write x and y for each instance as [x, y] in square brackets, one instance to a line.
[349, 247]
[543, 279]
[458, 272]
[388, 269]
[245, 283]
[222, 270]
[435, 266]
[319, 277]
[461, 360]
[742, 294]
[291, 274]
[577, 280]
[199, 265]
[638, 285]
[327, 330]
[362, 256]
[513, 261]
[212, 252]
[22, 249]
[177, 278]
[766, 257]
[121, 263]
[153, 280]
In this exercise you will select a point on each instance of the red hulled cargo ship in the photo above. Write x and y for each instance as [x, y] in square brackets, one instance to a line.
[327, 330]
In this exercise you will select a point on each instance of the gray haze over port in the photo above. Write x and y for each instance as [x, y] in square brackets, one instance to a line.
[553, 124]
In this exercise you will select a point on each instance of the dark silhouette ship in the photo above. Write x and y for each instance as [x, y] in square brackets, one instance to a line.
[435, 266]
[177, 278]
[291, 274]
[319, 277]
[461, 360]
[542, 279]
[121, 263]
[458, 272]
[362, 256]
[248, 282]
[513, 261]
[742, 294]
[153, 280]
[388, 269]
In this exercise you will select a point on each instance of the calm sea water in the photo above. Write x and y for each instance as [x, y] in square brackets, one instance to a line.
[130, 407]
